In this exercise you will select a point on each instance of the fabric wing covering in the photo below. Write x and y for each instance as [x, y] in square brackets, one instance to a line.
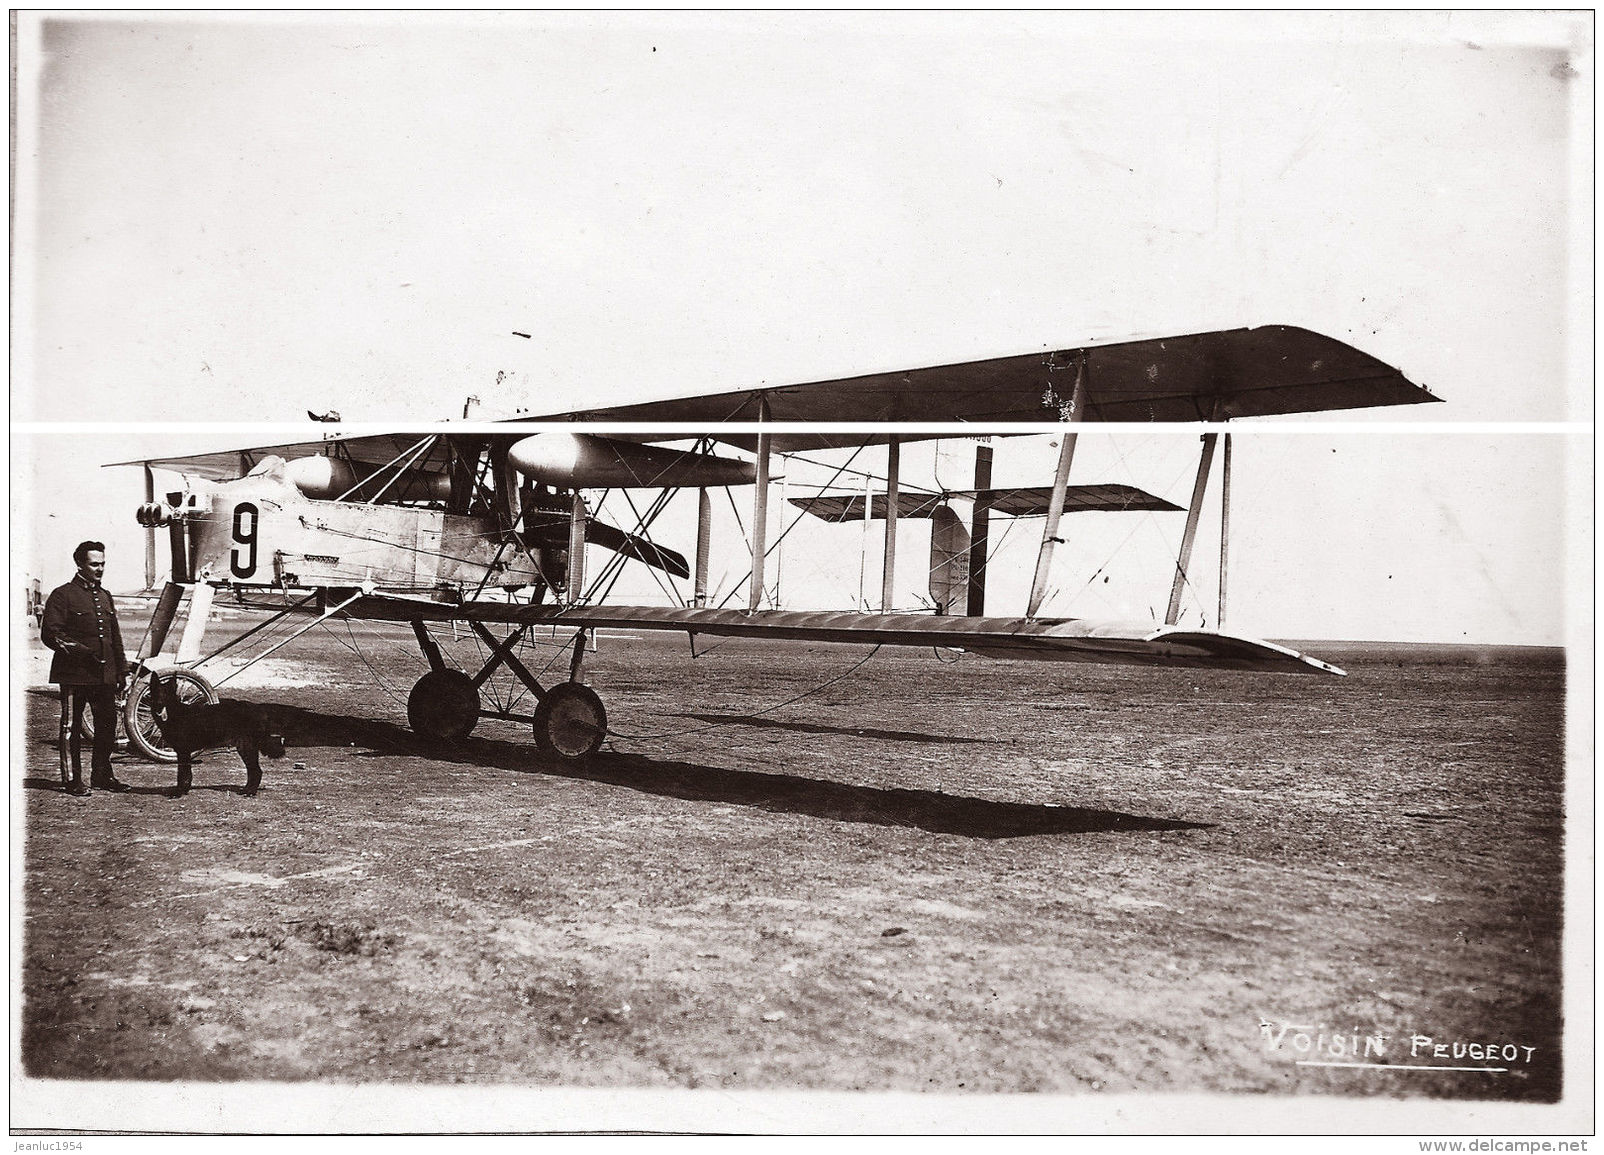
[1266, 371]
[1037, 639]
[376, 450]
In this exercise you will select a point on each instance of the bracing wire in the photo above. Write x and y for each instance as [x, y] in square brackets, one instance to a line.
[856, 666]
[784, 529]
[355, 648]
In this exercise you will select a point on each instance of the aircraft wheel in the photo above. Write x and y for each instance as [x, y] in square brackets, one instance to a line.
[140, 722]
[443, 706]
[570, 722]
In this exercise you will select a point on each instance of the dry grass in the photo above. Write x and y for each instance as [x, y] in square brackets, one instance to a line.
[1105, 880]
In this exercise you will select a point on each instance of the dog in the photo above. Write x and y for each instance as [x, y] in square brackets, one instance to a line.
[188, 728]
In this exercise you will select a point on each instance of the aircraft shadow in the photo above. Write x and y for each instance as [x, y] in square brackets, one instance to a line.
[820, 728]
[54, 784]
[928, 810]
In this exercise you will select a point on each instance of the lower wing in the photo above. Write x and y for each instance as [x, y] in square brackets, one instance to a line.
[1038, 639]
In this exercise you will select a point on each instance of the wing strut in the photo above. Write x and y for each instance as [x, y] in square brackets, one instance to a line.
[577, 518]
[863, 548]
[200, 608]
[1225, 522]
[1193, 511]
[704, 543]
[980, 531]
[150, 530]
[760, 510]
[779, 542]
[1055, 504]
[893, 483]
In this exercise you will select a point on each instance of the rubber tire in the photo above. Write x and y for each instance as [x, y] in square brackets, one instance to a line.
[140, 724]
[570, 722]
[443, 706]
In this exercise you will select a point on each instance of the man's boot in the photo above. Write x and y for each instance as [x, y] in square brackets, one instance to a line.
[65, 741]
[100, 774]
[107, 782]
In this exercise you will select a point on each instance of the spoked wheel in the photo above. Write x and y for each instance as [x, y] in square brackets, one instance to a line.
[570, 722]
[443, 706]
[140, 721]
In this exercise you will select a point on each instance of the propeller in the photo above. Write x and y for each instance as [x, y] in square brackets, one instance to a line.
[638, 548]
[549, 528]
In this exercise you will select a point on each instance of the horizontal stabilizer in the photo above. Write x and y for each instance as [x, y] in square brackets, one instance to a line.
[1023, 501]
[1032, 500]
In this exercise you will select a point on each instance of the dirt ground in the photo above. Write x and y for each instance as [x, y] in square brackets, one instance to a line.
[975, 876]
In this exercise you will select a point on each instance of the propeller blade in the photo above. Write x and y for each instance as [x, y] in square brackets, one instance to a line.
[638, 548]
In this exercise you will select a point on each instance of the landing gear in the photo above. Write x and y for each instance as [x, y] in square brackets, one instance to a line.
[570, 721]
[140, 722]
[443, 706]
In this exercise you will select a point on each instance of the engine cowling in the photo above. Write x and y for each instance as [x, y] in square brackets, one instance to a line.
[320, 477]
[586, 461]
[326, 478]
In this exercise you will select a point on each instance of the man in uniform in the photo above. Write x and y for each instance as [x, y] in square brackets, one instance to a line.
[80, 625]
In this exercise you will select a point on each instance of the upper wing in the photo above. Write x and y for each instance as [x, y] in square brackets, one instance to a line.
[1274, 369]
[373, 449]
[1041, 639]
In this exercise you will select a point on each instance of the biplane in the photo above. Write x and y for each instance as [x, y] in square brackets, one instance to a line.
[492, 526]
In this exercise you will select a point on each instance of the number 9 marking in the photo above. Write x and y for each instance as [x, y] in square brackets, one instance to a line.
[245, 537]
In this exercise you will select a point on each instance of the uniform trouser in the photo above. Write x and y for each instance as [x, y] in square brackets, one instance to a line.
[102, 703]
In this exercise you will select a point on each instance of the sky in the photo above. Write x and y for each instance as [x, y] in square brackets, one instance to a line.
[242, 218]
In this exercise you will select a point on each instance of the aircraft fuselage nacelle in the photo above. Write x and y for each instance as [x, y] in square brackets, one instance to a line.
[262, 530]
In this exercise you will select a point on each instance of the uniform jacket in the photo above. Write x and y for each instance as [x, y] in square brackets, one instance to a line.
[80, 625]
